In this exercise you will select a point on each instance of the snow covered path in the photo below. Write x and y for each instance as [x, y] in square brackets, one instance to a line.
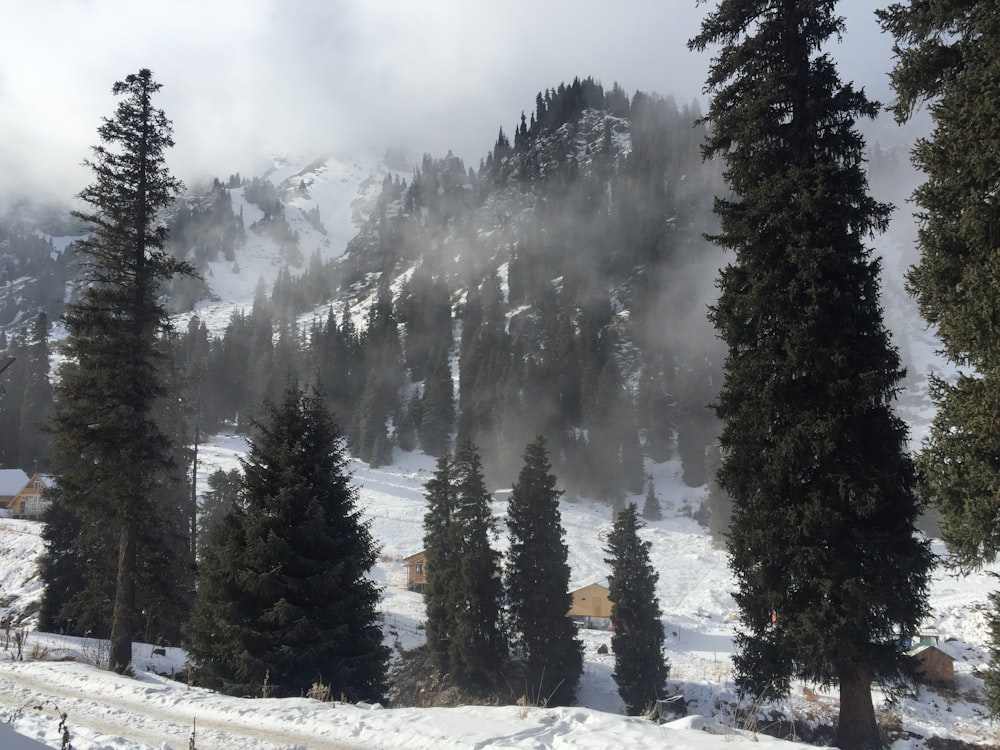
[160, 713]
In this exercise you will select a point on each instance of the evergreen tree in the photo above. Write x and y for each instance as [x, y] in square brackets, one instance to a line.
[437, 405]
[37, 402]
[284, 599]
[478, 646]
[111, 458]
[949, 54]
[640, 667]
[822, 542]
[217, 503]
[536, 584]
[464, 634]
[651, 510]
[441, 561]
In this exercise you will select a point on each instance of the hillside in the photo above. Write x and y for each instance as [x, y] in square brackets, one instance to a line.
[559, 287]
[698, 618]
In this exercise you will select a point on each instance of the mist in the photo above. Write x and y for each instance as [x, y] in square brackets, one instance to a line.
[243, 81]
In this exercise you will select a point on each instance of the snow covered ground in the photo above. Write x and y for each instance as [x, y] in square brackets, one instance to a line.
[152, 711]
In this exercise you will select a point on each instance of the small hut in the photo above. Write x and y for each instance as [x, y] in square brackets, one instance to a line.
[416, 571]
[934, 666]
[591, 607]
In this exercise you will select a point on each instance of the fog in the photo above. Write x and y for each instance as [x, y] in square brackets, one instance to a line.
[249, 79]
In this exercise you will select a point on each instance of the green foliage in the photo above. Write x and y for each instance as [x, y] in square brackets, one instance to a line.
[536, 584]
[640, 666]
[284, 598]
[949, 54]
[218, 502]
[464, 634]
[651, 509]
[822, 543]
[437, 405]
[112, 458]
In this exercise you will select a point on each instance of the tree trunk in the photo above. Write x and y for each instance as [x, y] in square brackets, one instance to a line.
[857, 729]
[123, 615]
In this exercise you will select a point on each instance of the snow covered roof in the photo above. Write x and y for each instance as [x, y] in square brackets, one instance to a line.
[12, 481]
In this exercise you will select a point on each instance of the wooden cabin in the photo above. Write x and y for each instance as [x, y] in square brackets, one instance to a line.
[416, 571]
[30, 502]
[591, 607]
[934, 666]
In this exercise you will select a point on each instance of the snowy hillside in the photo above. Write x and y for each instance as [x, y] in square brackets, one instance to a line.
[342, 189]
[106, 711]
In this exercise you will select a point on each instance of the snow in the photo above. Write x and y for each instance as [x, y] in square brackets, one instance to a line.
[152, 711]
[155, 712]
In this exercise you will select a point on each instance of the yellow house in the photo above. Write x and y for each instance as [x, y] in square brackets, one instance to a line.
[591, 607]
[30, 501]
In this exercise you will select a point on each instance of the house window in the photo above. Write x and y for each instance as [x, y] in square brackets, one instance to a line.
[420, 569]
[35, 505]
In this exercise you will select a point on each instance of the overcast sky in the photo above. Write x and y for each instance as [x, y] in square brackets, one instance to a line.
[246, 78]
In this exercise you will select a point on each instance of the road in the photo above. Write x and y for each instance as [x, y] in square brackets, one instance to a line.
[138, 712]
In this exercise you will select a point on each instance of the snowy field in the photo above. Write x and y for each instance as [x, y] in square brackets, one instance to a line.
[153, 711]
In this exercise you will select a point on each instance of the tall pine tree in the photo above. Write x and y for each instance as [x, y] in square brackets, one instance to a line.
[822, 541]
[640, 667]
[949, 54]
[111, 457]
[464, 632]
[536, 584]
[284, 598]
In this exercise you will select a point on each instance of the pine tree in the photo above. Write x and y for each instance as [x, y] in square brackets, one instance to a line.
[284, 598]
[478, 647]
[822, 543]
[441, 562]
[217, 503]
[949, 54]
[437, 405]
[111, 458]
[464, 634]
[536, 584]
[651, 509]
[37, 402]
[640, 667]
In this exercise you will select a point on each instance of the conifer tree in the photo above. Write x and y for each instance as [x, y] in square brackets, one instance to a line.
[437, 405]
[651, 509]
[111, 458]
[37, 401]
[284, 598]
[536, 584]
[478, 647]
[822, 543]
[464, 633]
[441, 561]
[640, 667]
[949, 54]
[217, 503]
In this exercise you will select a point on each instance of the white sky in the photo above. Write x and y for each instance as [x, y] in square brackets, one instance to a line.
[243, 79]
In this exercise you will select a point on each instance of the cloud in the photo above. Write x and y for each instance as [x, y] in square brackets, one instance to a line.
[243, 79]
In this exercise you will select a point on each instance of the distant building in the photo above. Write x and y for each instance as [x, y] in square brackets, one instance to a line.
[591, 607]
[416, 571]
[31, 502]
[934, 666]
[12, 481]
